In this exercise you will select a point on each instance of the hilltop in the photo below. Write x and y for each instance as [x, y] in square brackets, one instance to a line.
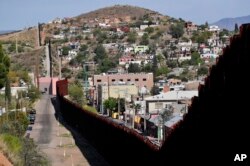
[114, 14]
[119, 11]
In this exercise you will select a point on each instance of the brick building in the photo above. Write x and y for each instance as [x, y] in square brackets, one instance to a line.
[138, 79]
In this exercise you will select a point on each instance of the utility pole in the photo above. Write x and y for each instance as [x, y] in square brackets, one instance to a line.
[133, 122]
[102, 101]
[145, 123]
[60, 62]
[85, 83]
[36, 72]
[51, 60]
[119, 105]
[108, 86]
[16, 46]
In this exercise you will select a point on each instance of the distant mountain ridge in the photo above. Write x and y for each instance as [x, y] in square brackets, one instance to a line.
[6, 31]
[229, 23]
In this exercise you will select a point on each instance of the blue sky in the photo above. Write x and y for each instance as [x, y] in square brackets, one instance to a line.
[18, 14]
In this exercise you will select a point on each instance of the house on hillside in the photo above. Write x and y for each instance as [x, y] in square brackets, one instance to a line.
[125, 60]
[141, 49]
[190, 26]
[213, 28]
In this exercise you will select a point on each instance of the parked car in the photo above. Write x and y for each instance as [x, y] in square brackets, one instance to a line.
[32, 121]
[32, 118]
[31, 111]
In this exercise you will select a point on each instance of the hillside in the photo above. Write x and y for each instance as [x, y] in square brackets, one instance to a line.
[28, 35]
[27, 60]
[7, 32]
[229, 23]
[116, 14]
[119, 11]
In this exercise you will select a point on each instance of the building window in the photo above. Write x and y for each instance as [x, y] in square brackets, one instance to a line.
[158, 105]
[144, 79]
[99, 80]
[136, 79]
[128, 79]
[121, 80]
[113, 80]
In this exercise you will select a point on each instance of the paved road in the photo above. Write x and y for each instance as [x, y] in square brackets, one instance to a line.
[62, 144]
[45, 117]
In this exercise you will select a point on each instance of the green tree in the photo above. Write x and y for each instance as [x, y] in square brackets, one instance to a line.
[223, 32]
[160, 58]
[157, 34]
[203, 26]
[7, 90]
[24, 75]
[172, 63]
[144, 39]
[12, 47]
[134, 68]
[20, 49]
[155, 90]
[201, 37]
[206, 24]
[110, 105]
[149, 30]
[76, 94]
[100, 53]
[4, 66]
[102, 37]
[33, 93]
[132, 37]
[122, 105]
[203, 70]
[163, 70]
[195, 59]
[177, 30]
[155, 66]
[236, 28]
[97, 32]
[83, 47]
[147, 68]
[65, 50]
[107, 64]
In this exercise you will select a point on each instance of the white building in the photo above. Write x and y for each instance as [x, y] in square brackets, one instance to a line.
[214, 28]
[14, 90]
[158, 102]
[209, 55]
[60, 36]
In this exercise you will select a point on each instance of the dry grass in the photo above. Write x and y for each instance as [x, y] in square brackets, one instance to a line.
[10, 155]
[28, 59]
[29, 36]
